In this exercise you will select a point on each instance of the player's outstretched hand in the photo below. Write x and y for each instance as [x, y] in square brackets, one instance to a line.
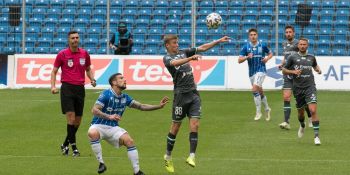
[224, 39]
[93, 83]
[54, 90]
[196, 57]
[114, 117]
[164, 101]
[297, 72]
[280, 66]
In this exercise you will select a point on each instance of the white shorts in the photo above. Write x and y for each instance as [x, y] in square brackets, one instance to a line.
[257, 79]
[109, 133]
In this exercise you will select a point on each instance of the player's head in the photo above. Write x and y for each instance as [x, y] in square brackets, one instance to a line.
[117, 80]
[289, 32]
[253, 35]
[171, 43]
[73, 39]
[303, 44]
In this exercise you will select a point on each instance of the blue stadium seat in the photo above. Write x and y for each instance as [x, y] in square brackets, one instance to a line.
[57, 4]
[94, 32]
[55, 50]
[87, 4]
[42, 3]
[28, 50]
[170, 31]
[186, 23]
[50, 22]
[12, 2]
[146, 4]
[340, 34]
[172, 23]
[41, 50]
[35, 22]
[326, 23]
[322, 52]
[44, 42]
[4, 21]
[228, 51]
[81, 31]
[91, 50]
[62, 32]
[313, 24]
[233, 24]
[132, 4]
[155, 34]
[142, 23]
[102, 43]
[138, 42]
[144, 14]
[29, 3]
[188, 4]
[174, 14]
[72, 4]
[339, 52]
[263, 34]
[159, 14]
[310, 33]
[129, 22]
[264, 24]
[150, 51]
[136, 50]
[201, 33]
[328, 4]
[339, 44]
[342, 14]
[157, 23]
[283, 14]
[102, 51]
[327, 14]
[341, 24]
[185, 33]
[66, 22]
[267, 4]
[32, 32]
[252, 4]
[221, 5]
[152, 43]
[60, 42]
[162, 51]
[223, 13]
[115, 14]
[39, 13]
[343, 4]
[215, 34]
[11, 50]
[201, 24]
[47, 32]
[30, 42]
[314, 4]
[206, 4]
[200, 41]
[81, 22]
[90, 42]
[283, 4]
[187, 14]
[266, 14]
[212, 51]
[176, 4]
[97, 22]
[129, 14]
[84, 13]
[325, 34]
[294, 4]
[248, 24]
[54, 13]
[69, 13]
[100, 13]
[117, 4]
[184, 43]
[232, 33]
[236, 4]
[323, 44]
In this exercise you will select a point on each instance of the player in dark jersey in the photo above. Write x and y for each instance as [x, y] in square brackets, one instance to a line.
[186, 100]
[300, 66]
[108, 111]
[290, 46]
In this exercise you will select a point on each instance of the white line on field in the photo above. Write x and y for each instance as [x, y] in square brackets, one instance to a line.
[201, 159]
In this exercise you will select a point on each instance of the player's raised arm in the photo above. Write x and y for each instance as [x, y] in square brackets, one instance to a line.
[207, 46]
[97, 111]
[179, 62]
[148, 107]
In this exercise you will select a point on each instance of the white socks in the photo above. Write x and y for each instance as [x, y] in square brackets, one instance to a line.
[257, 100]
[97, 149]
[134, 158]
[264, 102]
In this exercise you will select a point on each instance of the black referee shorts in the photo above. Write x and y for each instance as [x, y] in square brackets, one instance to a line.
[72, 98]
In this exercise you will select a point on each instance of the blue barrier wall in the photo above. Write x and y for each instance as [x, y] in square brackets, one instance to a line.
[3, 69]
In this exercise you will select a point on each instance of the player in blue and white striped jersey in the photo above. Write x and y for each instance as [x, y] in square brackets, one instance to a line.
[108, 111]
[257, 54]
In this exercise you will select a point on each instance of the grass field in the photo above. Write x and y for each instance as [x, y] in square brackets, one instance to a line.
[230, 141]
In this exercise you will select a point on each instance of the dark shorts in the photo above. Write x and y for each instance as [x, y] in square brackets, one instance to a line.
[304, 96]
[287, 83]
[186, 104]
[72, 98]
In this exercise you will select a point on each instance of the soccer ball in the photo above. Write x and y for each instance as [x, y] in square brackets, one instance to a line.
[213, 20]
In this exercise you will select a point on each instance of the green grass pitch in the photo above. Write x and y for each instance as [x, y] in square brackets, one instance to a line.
[230, 141]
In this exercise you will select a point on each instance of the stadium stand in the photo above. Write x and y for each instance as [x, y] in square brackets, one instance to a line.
[149, 20]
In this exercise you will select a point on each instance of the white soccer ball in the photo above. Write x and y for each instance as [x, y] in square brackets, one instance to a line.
[214, 20]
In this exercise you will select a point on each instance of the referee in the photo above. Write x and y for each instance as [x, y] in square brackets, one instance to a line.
[74, 62]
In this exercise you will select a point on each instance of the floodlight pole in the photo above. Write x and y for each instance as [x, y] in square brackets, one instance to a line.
[108, 26]
[276, 32]
[193, 36]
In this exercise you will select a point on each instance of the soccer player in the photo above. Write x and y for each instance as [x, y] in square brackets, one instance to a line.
[186, 100]
[254, 52]
[300, 66]
[74, 62]
[290, 46]
[108, 111]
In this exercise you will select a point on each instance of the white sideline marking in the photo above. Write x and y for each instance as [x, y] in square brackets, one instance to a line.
[201, 159]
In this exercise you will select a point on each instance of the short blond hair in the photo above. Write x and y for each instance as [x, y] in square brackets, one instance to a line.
[169, 37]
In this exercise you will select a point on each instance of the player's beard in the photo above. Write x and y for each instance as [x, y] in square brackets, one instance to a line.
[122, 87]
